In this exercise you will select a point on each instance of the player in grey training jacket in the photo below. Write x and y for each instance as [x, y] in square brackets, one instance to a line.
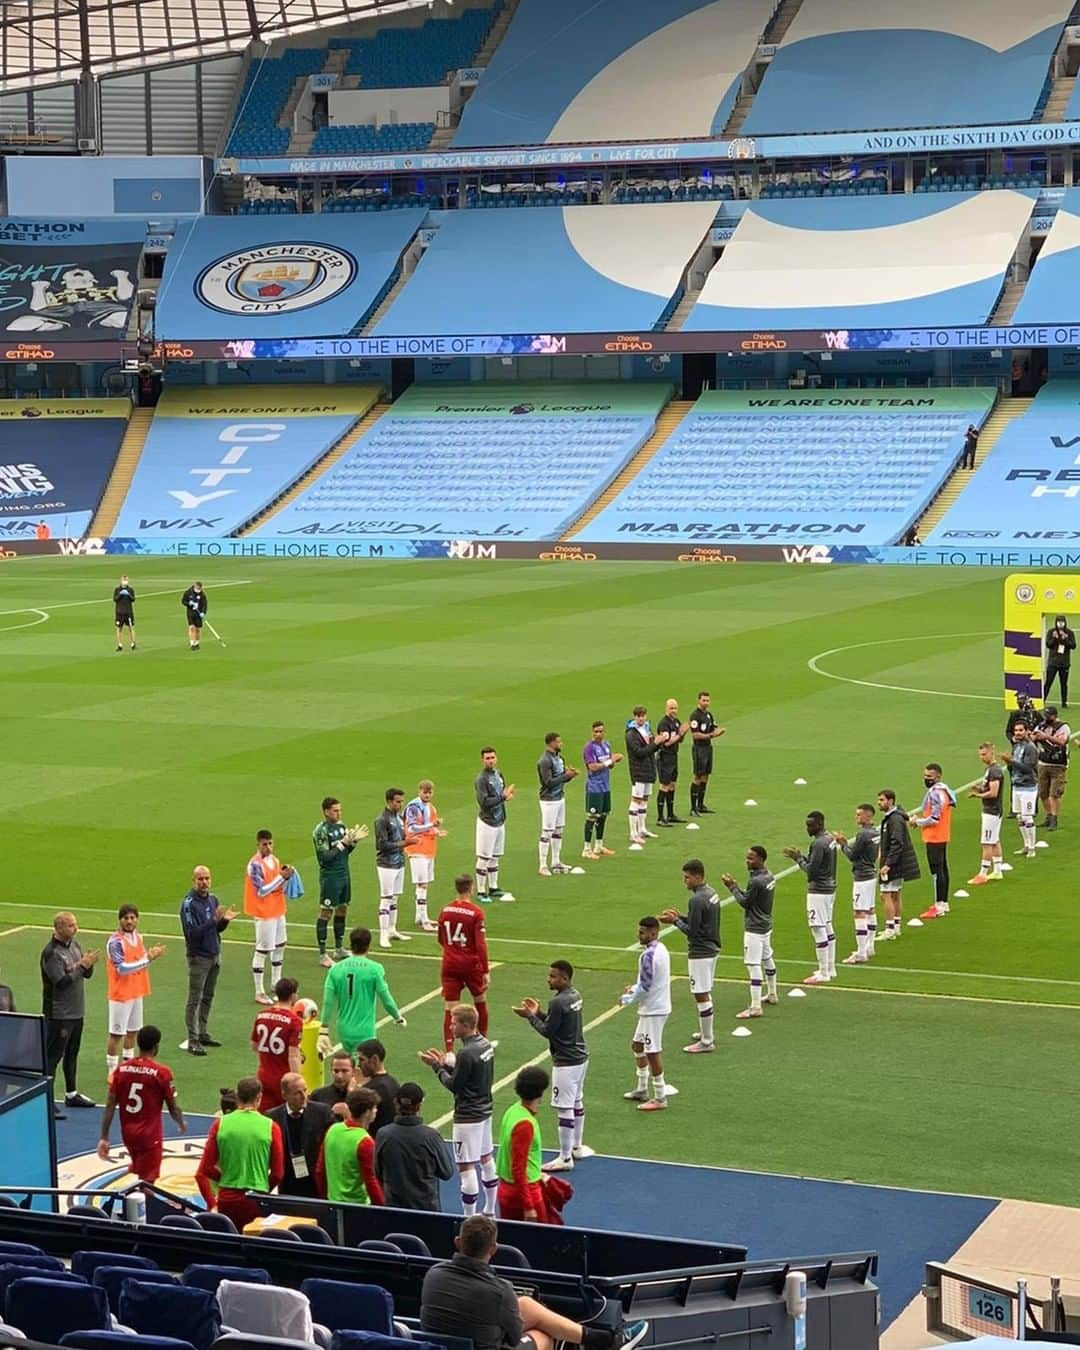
[562, 1028]
[554, 774]
[1024, 766]
[701, 926]
[819, 864]
[862, 852]
[469, 1078]
[756, 902]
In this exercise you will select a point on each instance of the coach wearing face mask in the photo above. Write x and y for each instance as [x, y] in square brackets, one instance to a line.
[1060, 645]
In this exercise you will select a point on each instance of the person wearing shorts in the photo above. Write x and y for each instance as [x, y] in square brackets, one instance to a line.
[641, 751]
[469, 1078]
[651, 992]
[139, 1089]
[897, 862]
[862, 853]
[264, 903]
[1024, 765]
[423, 825]
[990, 792]
[124, 605]
[391, 838]
[194, 603]
[554, 774]
[562, 1028]
[1052, 736]
[492, 794]
[465, 963]
[128, 977]
[819, 865]
[755, 899]
[333, 843]
[701, 927]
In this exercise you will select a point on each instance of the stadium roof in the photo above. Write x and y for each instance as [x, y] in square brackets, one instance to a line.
[48, 41]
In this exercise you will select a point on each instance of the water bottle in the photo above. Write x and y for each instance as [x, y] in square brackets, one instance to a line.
[135, 1207]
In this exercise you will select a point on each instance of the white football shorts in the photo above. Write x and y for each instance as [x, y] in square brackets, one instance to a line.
[472, 1140]
[552, 815]
[568, 1085]
[991, 829]
[702, 974]
[391, 880]
[270, 933]
[641, 790]
[650, 1033]
[819, 910]
[125, 1017]
[1025, 801]
[490, 840]
[422, 869]
[863, 895]
[757, 949]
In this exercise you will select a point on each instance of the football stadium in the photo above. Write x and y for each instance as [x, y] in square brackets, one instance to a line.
[539, 562]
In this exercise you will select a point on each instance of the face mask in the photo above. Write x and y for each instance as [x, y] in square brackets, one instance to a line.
[928, 782]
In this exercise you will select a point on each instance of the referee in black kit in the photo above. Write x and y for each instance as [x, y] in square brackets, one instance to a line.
[703, 731]
[124, 604]
[194, 602]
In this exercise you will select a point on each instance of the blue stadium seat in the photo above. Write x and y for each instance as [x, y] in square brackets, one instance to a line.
[409, 1243]
[311, 1232]
[47, 1309]
[84, 1263]
[379, 1245]
[244, 1340]
[214, 1222]
[10, 1272]
[120, 1340]
[37, 1262]
[86, 1212]
[112, 1278]
[180, 1221]
[353, 1339]
[209, 1277]
[511, 1257]
[339, 1303]
[155, 1310]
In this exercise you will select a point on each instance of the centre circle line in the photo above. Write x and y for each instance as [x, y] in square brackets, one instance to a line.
[14, 627]
[814, 665]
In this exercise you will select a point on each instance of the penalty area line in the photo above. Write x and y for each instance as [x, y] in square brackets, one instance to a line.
[107, 600]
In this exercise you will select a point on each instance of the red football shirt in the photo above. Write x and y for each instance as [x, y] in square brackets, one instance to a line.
[462, 937]
[142, 1089]
[275, 1030]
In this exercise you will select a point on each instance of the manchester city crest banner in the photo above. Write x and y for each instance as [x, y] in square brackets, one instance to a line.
[64, 281]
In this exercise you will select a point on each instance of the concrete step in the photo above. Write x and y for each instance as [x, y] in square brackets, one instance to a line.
[1010, 298]
[670, 417]
[123, 471]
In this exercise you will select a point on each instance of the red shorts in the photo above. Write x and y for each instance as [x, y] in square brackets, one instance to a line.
[515, 1200]
[234, 1206]
[271, 1094]
[454, 980]
[145, 1156]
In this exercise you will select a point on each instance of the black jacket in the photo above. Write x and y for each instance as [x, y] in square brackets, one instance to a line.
[410, 1160]
[317, 1119]
[897, 851]
[640, 757]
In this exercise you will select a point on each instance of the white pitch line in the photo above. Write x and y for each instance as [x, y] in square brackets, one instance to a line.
[14, 627]
[107, 600]
[507, 1079]
[899, 688]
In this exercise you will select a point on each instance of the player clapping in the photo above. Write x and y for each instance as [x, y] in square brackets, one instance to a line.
[562, 1028]
[652, 994]
[756, 902]
[492, 794]
[701, 927]
[862, 853]
[554, 774]
[599, 758]
[422, 823]
[819, 865]
[333, 843]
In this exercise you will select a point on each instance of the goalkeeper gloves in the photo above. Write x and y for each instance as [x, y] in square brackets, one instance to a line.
[401, 1021]
[323, 1045]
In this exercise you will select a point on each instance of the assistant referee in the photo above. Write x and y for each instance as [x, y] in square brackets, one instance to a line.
[703, 731]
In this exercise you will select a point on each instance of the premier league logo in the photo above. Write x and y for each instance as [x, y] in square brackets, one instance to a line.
[275, 279]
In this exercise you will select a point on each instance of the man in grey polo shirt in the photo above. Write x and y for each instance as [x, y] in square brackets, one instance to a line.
[465, 1297]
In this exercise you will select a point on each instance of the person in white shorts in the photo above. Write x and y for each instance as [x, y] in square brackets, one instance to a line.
[423, 824]
[641, 751]
[1024, 766]
[554, 774]
[989, 792]
[264, 903]
[492, 794]
[651, 992]
[562, 1028]
[819, 864]
[701, 927]
[391, 840]
[756, 902]
[128, 975]
[469, 1077]
[862, 853]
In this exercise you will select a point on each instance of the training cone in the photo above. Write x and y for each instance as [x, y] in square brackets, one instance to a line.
[742, 1031]
[961, 895]
[634, 848]
[670, 1090]
[800, 782]
[796, 993]
[693, 826]
[577, 871]
[1042, 844]
[914, 923]
[1006, 867]
[749, 802]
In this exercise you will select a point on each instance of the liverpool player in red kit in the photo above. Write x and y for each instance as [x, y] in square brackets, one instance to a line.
[464, 957]
[275, 1038]
[138, 1089]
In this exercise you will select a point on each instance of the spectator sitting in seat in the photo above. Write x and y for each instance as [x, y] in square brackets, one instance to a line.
[464, 1297]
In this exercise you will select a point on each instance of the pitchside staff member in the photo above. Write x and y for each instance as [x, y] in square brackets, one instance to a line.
[194, 602]
[667, 764]
[124, 601]
[1060, 645]
[703, 731]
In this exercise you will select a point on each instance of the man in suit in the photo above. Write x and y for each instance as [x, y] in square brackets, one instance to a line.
[303, 1123]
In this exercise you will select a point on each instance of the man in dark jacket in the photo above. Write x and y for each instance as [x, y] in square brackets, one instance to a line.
[410, 1157]
[641, 752]
[897, 861]
[1060, 645]
[65, 968]
[303, 1125]
[203, 920]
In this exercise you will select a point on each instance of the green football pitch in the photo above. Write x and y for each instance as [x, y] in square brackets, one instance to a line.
[944, 1064]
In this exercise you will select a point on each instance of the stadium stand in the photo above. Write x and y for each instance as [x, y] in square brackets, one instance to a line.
[1024, 490]
[614, 70]
[56, 456]
[927, 63]
[262, 100]
[290, 276]
[1055, 278]
[465, 461]
[882, 262]
[214, 457]
[392, 138]
[582, 269]
[398, 58]
[854, 468]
